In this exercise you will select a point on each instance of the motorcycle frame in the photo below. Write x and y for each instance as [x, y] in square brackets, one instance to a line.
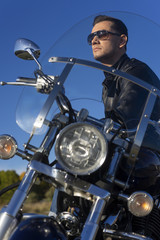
[62, 180]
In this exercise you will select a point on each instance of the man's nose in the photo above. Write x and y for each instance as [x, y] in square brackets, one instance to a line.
[95, 40]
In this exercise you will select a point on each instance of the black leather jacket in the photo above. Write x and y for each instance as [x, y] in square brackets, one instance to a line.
[124, 100]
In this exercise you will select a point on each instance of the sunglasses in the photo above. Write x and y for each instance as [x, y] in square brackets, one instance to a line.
[102, 35]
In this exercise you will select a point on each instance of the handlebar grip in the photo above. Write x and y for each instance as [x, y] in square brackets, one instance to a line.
[26, 80]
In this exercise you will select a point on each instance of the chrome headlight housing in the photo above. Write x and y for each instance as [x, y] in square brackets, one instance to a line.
[81, 148]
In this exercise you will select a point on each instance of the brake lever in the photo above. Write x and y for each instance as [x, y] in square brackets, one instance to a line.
[43, 84]
[18, 84]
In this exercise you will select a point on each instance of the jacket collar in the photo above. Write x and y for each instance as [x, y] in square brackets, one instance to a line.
[119, 63]
[109, 78]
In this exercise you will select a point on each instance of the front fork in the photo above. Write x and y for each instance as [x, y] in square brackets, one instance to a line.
[8, 215]
[70, 184]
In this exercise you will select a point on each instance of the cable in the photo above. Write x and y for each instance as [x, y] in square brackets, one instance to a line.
[8, 188]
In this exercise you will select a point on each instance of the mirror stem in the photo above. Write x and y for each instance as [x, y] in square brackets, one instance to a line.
[36, 60]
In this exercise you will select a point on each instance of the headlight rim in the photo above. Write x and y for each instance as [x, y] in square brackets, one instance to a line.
[100, 133]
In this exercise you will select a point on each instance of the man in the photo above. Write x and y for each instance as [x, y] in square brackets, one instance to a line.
[122, 99]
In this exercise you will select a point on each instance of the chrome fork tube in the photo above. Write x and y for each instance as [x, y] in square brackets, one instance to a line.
[91, 226]
[8, 214]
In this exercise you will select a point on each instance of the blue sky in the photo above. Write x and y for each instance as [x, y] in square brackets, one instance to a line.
[45, 21]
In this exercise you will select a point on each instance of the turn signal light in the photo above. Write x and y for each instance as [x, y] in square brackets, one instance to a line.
[140, 204]
[8, 147]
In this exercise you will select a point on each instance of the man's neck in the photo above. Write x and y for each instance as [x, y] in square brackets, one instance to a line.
[112, 62]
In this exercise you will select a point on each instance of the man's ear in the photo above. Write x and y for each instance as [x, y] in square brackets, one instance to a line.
[123, 40]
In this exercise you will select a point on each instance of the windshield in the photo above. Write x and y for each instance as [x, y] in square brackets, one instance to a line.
[83, 86]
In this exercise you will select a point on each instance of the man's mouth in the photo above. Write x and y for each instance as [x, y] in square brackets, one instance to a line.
[96, 49]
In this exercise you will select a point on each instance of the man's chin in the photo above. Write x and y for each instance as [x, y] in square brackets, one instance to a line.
[99, 59]
[104, 60]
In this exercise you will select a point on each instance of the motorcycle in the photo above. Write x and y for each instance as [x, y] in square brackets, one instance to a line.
[106, 181]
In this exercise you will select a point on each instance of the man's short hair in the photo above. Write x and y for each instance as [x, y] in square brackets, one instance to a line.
[118, 25]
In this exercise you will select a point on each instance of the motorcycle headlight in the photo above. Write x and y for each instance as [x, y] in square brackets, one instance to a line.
[81, 148]
[8, 147]
[140, 204]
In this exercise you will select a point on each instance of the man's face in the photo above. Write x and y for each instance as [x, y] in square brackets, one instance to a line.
[106, 51]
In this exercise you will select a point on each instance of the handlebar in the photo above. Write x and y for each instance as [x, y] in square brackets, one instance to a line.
[26, 80]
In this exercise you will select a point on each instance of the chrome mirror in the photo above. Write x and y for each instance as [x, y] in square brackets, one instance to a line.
[27, 50]
[24, 46]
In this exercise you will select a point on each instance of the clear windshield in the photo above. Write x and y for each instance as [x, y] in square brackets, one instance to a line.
[83, 86]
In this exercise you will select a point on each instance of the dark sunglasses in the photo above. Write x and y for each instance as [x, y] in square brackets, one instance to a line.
[102, 34]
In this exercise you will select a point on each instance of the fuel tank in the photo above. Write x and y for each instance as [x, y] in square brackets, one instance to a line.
[38, 227]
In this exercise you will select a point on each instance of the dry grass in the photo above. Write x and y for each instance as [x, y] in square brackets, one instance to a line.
[42, 207]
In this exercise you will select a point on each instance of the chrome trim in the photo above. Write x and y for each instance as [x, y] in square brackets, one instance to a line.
[124, 235]
[111, 70]
[21, 49]
[141, 130]
[91, 225]
[18, 84]
[7, 224]
[112, 218]
[8, 214]
[77, 187]
[66, 159]
[64, 182]
[52, 96]
[111, 174]
[70, 223]
[70, 184]
[54, 208]
[21, 193]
